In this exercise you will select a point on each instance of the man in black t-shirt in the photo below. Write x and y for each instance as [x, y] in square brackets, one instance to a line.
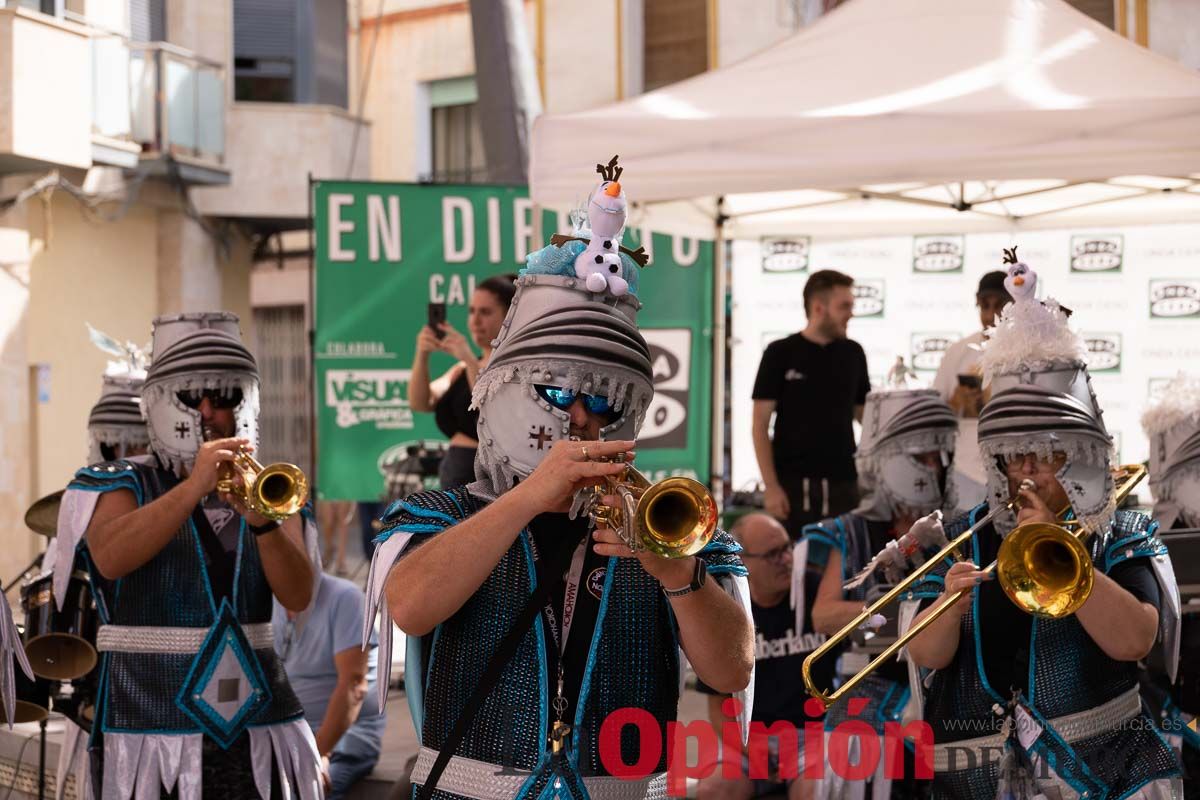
[814, 383]
[779, 652]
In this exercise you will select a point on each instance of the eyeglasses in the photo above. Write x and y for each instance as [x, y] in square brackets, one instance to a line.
[563, 399]
[1019, 460]
[218, 399]
[774, 554]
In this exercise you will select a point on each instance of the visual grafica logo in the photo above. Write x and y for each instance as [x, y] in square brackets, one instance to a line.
[369, 396]
[1174, 298]
[786, 255]
[928, 348]
[1104, 352]
[670, 359]
[869, 297]
[1092, 253]
[939, 254]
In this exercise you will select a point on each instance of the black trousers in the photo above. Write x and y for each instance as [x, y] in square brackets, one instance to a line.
[815, 499]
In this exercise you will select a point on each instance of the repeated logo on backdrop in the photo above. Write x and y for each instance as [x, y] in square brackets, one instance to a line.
[1104, 352]
[786, 255]
[928, 348]
[1174, 298]
[869, 295]
[1090, 253]
[939, 254]
[670, 360]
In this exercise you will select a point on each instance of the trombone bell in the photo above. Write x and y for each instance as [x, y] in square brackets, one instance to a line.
[1044, 569]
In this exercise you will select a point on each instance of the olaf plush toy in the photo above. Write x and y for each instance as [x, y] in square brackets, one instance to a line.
[599, 265]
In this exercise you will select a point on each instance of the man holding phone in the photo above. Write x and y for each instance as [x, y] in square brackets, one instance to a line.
[959, 381]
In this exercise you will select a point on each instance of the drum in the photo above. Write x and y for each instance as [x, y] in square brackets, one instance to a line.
[60, 644]
[33, 698]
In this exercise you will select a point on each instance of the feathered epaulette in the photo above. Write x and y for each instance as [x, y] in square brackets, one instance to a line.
[426, 512]
[721, 557]
[554, 259]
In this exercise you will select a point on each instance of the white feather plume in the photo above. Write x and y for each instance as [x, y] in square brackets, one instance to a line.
[133, 360]
[1179, 401]
[1030, 335]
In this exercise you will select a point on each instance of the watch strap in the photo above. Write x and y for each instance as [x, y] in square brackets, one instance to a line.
[698, 578]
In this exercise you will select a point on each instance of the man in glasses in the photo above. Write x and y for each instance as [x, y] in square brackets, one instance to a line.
[193, 696]
[779, 652]
[904, 464]
[528, 629]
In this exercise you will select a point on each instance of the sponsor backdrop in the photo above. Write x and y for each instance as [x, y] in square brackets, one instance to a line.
[1135, 294]
[384, 251]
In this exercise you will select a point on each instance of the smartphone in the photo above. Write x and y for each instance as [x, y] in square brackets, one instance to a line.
[437, 315]
[970, 381]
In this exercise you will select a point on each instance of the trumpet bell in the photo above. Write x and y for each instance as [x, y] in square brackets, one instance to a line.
[676, 517]
[1045, 570]
[280, 490]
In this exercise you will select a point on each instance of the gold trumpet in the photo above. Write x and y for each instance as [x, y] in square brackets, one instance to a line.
[275, 491]
[674, 518]
[1045, 569]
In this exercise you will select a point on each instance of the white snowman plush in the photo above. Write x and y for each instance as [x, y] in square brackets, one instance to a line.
[599, 265]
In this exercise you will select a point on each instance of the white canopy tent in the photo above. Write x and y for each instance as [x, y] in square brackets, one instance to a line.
[904, 114]
[899, 116]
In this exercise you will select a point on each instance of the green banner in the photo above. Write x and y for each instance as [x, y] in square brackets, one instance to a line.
[386, 250]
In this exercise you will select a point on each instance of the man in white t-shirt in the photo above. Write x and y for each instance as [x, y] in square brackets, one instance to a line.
[959, 382]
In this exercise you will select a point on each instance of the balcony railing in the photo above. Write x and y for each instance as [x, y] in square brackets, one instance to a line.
[163, 98]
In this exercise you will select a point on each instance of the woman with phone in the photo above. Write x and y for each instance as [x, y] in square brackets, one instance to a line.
[449, 396]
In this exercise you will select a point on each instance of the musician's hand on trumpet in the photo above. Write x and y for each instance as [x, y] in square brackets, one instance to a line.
[207, 470]
[567, 468]
[671, 572]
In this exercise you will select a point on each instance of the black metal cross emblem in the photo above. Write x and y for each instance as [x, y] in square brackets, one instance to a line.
[920, 483]
[182, 429]
[542, 437]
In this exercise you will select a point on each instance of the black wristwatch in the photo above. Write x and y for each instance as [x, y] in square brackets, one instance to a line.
[698, 579]
[263, 530]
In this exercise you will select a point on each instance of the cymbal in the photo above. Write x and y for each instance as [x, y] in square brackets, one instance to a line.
[42, 516]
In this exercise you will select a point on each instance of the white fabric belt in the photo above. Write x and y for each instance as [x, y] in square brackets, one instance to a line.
[1071, 727]
[480, 780]
[144, 639]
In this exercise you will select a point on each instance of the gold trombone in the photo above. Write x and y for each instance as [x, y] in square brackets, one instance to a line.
[674, 518]
[276, 491]
[1042, 567]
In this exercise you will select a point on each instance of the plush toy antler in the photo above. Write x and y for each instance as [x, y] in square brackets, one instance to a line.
[1010, 255]
[611, 172]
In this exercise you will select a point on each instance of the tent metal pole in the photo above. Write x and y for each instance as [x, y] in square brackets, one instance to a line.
[718, 356]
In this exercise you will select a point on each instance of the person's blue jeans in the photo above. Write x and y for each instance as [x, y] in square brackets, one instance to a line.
[347, 770]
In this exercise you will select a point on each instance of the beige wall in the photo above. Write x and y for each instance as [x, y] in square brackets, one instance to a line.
[17, 545]
[271, 149]
[83, 271]
[1175, 30]
[743, 31]
[45, 89]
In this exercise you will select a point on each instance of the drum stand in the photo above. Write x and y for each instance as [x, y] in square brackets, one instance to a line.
[37, 562]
